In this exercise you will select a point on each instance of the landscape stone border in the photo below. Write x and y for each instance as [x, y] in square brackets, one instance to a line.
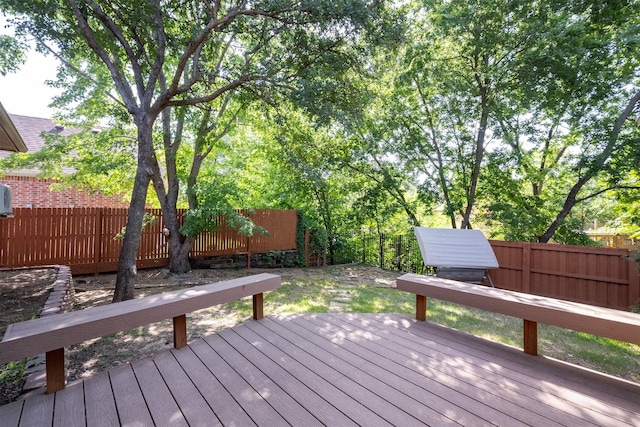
[60, 299]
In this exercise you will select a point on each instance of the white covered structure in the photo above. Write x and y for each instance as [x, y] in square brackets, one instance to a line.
[463, 255]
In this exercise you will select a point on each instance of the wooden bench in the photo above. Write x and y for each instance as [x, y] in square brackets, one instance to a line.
[605, 322]
[51, 334]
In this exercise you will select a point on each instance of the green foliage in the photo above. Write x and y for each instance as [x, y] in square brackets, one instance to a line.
[362, 114]
[205, 218]
[512, 213]
[301, 230]
[13, 372]
[12, 54]
[147, 219]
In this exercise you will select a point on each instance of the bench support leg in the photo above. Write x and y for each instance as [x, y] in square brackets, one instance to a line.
[530, 337]
[180, 331]
[421, 307]
[258, 306]
[55, 370]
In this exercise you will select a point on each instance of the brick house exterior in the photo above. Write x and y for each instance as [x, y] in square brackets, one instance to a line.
[29, 191]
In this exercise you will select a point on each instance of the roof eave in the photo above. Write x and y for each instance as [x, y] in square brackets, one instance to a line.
[10, 139]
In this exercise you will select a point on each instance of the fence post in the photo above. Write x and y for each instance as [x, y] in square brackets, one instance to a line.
[382, 250]
[98, 240]
[634, 282]
[248, 253]
[526, 268]
[4, 238]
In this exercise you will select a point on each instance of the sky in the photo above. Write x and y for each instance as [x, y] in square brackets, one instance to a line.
[25, 92]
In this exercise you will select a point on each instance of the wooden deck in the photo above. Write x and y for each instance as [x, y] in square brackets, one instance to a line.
[337, 370]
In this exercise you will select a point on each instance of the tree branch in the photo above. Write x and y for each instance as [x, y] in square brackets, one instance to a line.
[119, 79]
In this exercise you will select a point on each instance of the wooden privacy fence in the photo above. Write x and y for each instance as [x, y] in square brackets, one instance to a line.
[596, 276]
[590, 275]
[85, 238]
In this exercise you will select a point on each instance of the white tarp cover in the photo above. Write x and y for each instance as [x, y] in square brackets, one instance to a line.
[449, 247]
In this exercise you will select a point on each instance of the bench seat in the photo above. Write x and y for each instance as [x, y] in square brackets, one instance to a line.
[605, 322]
[51, 334]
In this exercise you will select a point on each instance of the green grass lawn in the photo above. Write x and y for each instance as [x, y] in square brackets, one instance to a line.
[312, 295]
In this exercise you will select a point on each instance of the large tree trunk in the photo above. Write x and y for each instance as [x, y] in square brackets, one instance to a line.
[128, 254]
[179, 248]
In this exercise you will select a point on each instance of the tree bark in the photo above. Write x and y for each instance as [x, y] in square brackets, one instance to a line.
[475, 174]
[179, 254]
[128, 254]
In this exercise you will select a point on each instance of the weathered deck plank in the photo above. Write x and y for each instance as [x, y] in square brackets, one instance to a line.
[218, 398]
[337, 369]
[100, 405]
[37, 411]
[478, 389]
[327, 414]
[246, 397]
[10, 413]
[163, 407]
[467, 401]
[130, 403]
[69, 406]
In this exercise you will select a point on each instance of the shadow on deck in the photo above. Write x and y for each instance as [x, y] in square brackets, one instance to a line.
[337, 370]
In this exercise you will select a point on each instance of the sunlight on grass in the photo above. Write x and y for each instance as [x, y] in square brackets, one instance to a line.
[367, 299]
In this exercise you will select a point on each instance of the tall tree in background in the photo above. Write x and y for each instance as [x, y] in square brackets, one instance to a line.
[162, 54]
[574, 92]
[449, 87]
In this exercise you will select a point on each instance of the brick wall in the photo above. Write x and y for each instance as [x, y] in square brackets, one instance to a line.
[35, 193]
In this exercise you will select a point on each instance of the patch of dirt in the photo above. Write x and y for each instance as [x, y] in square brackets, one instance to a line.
[22, 294]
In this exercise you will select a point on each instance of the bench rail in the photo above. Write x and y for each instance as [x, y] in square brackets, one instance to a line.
[605, 322]
[50, 335]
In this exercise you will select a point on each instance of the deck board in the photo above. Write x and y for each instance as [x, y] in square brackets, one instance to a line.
[269, 390]
[360, 385]
[476, 386]
[100, 407]
[132, 408]
[195, 408]
[312, 371]
[305, 396]
[578, 396]
[69, 406]
[337, 370]
[162, 405]
[464, 399]
[10, 413]
[37, 411]
[246, 397]
[355, 368]
[218, 398]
